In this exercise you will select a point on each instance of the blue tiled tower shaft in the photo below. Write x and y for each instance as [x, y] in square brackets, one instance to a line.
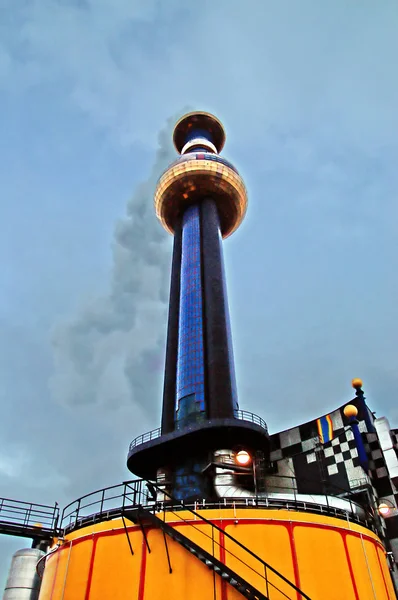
[190, 385]
[200, 376]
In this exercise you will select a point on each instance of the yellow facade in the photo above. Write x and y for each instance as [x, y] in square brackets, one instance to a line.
[328, 558]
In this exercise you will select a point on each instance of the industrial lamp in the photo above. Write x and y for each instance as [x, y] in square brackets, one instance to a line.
[385, 508]
[243, 458]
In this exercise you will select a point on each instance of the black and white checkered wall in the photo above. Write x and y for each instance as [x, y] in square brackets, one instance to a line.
[313, 467]
[339, 457]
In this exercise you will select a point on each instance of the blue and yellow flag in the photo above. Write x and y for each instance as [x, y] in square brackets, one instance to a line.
[325, 429]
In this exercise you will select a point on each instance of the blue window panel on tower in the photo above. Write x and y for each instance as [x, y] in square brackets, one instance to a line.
[190, 388]
[229, 333]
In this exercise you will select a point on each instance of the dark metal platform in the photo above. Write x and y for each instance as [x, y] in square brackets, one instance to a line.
[28, 520]
[151, 450]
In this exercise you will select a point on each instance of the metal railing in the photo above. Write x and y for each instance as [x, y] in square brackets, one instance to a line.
[288, 485]
[104, 503]
[244, 415]
[207, 156]
[110, 502]
[241, 415]
[145, 437]
[19, 518]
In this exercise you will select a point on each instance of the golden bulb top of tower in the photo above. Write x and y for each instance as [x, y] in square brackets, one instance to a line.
[195, 122]
[200, 173]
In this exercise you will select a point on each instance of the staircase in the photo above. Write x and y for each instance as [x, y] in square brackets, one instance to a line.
[138, 501]
[236, 581]
[147, 517]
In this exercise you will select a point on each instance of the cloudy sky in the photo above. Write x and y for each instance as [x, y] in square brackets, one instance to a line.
[89, 91]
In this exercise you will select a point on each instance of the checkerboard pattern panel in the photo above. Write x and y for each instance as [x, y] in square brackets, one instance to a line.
[340, 455]
[377, 468]
[304, 438]
[341, 449]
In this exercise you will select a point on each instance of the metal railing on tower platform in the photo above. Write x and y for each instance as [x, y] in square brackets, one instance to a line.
[241, 415]
[146, 437]
[244, 415]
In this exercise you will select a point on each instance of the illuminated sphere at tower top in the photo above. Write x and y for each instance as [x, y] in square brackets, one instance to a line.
[200, 173]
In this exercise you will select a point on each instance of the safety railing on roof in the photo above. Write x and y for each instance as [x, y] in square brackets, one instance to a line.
[106, 503]
[241, 415]
[109, 503]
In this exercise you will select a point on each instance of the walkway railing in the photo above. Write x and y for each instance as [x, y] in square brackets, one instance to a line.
[244, 415]
[241, 415]
[105, 503]
[110, 503]
[26, 519]
[146, 437]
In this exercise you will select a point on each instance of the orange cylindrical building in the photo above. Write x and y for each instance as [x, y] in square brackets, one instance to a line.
[327, 557]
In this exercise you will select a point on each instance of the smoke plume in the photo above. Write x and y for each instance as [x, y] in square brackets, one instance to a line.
[112, 352]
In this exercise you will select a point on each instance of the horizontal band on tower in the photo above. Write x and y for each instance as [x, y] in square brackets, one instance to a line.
[190, 181]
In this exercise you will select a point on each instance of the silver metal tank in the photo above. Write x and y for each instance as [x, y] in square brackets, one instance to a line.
[23, 583]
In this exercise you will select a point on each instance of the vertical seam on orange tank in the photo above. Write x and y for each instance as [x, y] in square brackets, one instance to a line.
[290, 530]
[66, 569]
[55, 574]
[222, 559]
[91, 568]
[382, 570]
[352, 575]
[141, 589]
[214, 574]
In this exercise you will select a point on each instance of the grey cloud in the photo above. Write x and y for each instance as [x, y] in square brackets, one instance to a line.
[94, 51]
[293, 62]
[111, 353]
